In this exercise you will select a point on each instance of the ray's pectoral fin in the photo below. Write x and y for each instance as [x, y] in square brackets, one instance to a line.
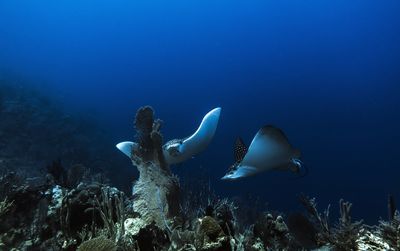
[127, 147]
[200, 139]
[240, 172]
[176, 151]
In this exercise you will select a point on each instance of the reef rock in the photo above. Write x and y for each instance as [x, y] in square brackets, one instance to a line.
[258, 246]
[182, 240]
[133, 225]
[272, 231]
[370, 241]
[211, 236]
[151, 238]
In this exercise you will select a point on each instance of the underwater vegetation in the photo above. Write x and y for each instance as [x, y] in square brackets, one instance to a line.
[52, 198]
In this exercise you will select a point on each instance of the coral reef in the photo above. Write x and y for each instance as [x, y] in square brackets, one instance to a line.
[95, 216]
[67, 205]
[346, 234]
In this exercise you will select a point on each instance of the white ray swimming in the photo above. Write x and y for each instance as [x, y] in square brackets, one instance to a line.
[178, 150]
[269, 150]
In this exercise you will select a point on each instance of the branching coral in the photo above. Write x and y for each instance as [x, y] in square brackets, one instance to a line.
[346, 232]
[111, 210]
[92, 210]
[389, 230]
[321, 220]
[344, 235]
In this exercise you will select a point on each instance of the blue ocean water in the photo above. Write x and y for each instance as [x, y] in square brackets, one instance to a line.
[326, 72]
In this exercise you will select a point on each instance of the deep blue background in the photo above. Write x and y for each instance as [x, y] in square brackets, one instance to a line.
[326, 72]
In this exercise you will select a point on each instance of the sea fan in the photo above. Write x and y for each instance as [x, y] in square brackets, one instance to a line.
[344, 235]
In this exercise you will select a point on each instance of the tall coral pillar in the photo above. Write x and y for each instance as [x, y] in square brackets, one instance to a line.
[156, 192]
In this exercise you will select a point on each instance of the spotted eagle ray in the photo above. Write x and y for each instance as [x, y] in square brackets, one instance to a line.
[178, 150]
[269, 150]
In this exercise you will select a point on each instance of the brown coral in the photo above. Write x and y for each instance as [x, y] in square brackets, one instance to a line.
[100, 243]
[210, 227]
